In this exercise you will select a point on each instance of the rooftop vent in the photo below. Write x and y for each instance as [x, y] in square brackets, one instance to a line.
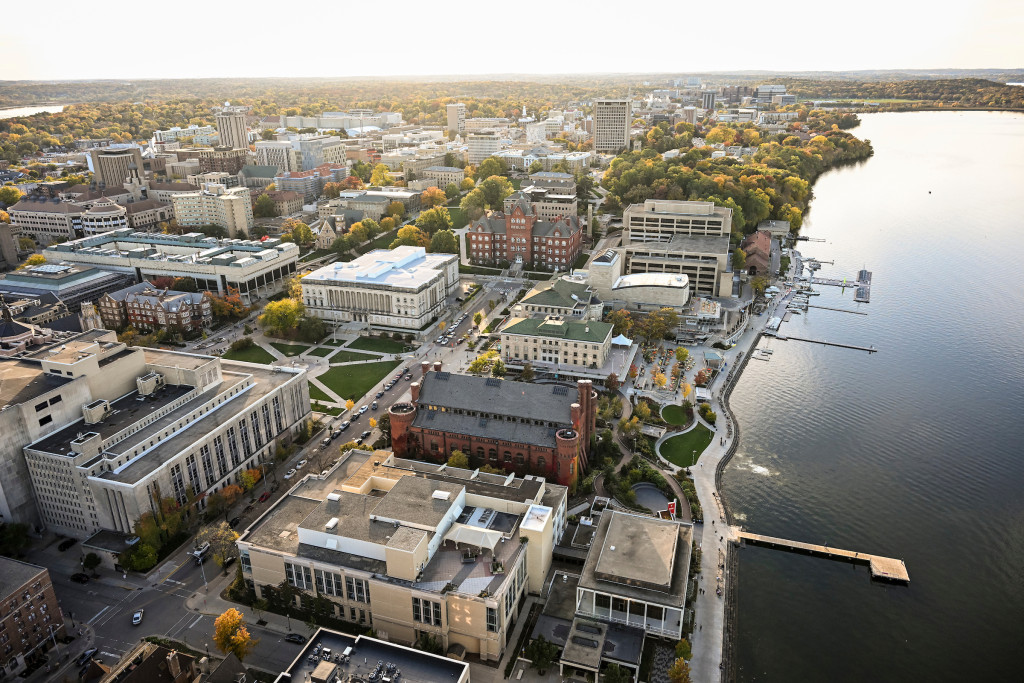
[440, 495]
[332, 524]
[334, 496]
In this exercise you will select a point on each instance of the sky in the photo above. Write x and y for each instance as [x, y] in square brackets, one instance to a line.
[251, 38]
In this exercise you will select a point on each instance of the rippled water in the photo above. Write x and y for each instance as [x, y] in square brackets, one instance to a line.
[913, 452]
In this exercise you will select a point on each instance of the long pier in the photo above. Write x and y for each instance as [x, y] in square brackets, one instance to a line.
[841, 310]
[784, 337]
[884, 568]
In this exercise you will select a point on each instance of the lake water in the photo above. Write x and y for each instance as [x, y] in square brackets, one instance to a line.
[28, 111]
[915, 452]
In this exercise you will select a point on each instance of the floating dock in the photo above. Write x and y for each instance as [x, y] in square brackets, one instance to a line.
[841, 310]
[869, 349]
[882, 568]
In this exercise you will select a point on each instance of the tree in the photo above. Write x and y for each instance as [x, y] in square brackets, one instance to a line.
[659, 379]
[739, 259]
[642, 410]
[10, 195]
[283, 315]
[312, 329]
[614, 673]
[535, 167]
[332, 190]
[451, 190]
[681, 355]
[221, 538]
[33, 260]
[621, 320]
[527, 374]
[265, 207]
[229, 306]
[249, 478]
[381, 176]
[142, 557]
[90, 562]
[679, 672]
[373, 423]
[24, 243]
[350, 404]
[491, 166]
[396, 209]
[434, 219]
[433, 196]
[459, 459]
[231, 635]
[444, 242]
[467, 184]
[185, 284]
[759, 284]
[387, 224]
[301, 233]
[495, 189]
[541, 653]
[478, 318]
[612, 383]
[410, 236]
[498, 369]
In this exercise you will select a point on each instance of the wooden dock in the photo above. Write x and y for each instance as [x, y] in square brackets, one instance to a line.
[841, 310]
[777, 335]
[883, 568]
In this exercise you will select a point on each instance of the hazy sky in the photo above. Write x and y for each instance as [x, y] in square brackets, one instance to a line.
[164, 39]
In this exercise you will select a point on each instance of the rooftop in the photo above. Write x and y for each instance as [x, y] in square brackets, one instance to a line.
[593, 332]
[22, 381]
[402, 267]
[683, 244]
[670, 280]
[543, 402]
[561, 293]
[14, 574]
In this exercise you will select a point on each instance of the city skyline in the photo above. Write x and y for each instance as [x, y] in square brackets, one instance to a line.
[877, 36]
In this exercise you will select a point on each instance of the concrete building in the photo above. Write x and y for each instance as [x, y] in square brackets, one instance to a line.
[286, 202]
[456, 118]
[177, 133]
[228, 160]
[444, 175]
[177, 170]
[556, 340]
[402, 288]
[218, 177]
[231, 128]
[115, 167]
[279, 154]
[612, 121]
[519, 427]
[103, 216]
[148, 214]
[482, 145]
[480, 124]
[688, 115]
[310, 184]
[548, 203]
[707, 100]
[636, 573]
[255, 269]
[153, 424]
[72, 284]
[567, 298]
[316, 150]
[230, 208]
[147, 307]
[410, 549]
[30, 615]
[649, 291]
[45, 220]
[777, 229]
[521, 236]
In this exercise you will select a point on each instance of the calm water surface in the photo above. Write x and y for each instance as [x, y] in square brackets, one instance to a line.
[915, 452]
[28, 111]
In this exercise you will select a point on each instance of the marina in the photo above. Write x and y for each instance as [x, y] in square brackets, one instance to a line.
[882, 568]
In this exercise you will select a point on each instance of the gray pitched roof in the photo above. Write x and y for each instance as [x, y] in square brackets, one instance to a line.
[544, 402]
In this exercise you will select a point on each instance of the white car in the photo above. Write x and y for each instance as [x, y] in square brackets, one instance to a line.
[300, 464]
[137, 617]
[362, 410]
[289, 474]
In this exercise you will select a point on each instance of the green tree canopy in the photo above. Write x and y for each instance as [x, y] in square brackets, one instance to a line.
[381, 176]
[282, 316]
[444, 242]
[410, 236]
[491, 166]
[264, 207]
[435, 219]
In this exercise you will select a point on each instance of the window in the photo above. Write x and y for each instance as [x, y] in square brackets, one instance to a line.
[492, 620]
[45, 420]
[426, 612]
[298, 576]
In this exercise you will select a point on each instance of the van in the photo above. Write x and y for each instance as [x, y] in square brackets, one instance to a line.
[347, 653]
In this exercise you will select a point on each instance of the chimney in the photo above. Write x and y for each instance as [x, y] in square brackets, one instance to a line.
[425, 366]
[437, 366]
[414, 389]
[173, 665]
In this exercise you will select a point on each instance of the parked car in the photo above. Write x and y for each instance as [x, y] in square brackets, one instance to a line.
[364, 435]
[289, 474]
[79, 577]
[362, 409]
[295, 638]
[84, 657]
[379, 394]
[234, 522]
[137, 617]
[300, 464]
[66, 543]
[373, 406]
[265, 496]
[344, 425]
[336, 433]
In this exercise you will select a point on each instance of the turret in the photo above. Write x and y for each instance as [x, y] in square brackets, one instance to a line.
[402, 416]
[568, 443]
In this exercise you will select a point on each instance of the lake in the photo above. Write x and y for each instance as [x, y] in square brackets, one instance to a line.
[28, 111]
[914, 452]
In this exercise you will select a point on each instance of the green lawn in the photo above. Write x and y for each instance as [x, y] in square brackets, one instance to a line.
[459, 217]
[322, 352]
[674, 415]
[581, 261]
[321, 408]
[478, 270]
[254, 354]
[290, 349]
[381, 242]
[517, 183]
[317, 394]
[334, 342]
[378, 345]
[349, 356]
[315, 254]
[679, 450]
[353, 381]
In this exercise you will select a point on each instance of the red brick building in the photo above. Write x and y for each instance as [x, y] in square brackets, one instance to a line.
[540, 429]
[29, 614]
[147, 307]
[520, 235]
[758, 248]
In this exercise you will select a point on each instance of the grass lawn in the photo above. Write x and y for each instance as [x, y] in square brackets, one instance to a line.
[517, 183]
[381, 242]
[334, 342]
[478, 270]
[349, 356]
[679, 449]
[378, 345]
[674, 415]
[459, 217]
[321, 408]
[353, 381]
[254, 354]
[581, 261]
[317, 394]
[315, 254]
[289, 349]
[321, 352]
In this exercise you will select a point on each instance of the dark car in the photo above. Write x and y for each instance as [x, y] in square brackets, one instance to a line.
[264, 497]
[234, 522]
[66, 543]
[379, 394]
[80, 578]
[84, 657]
[364, 435]
[295, 638]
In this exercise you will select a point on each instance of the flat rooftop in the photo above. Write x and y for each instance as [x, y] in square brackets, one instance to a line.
[684, 244]
[403, 268]
[639, 557]
[22, 381]
[416, 666]
[14, 574]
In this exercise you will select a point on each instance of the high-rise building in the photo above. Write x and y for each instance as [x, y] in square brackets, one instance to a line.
[232, 129]
[707, 100]
[481, 146]
[278, 153]
[223, 160]
[230, 208]
[612, 119]
[456, 117]
[115, 167]
[30, 618]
